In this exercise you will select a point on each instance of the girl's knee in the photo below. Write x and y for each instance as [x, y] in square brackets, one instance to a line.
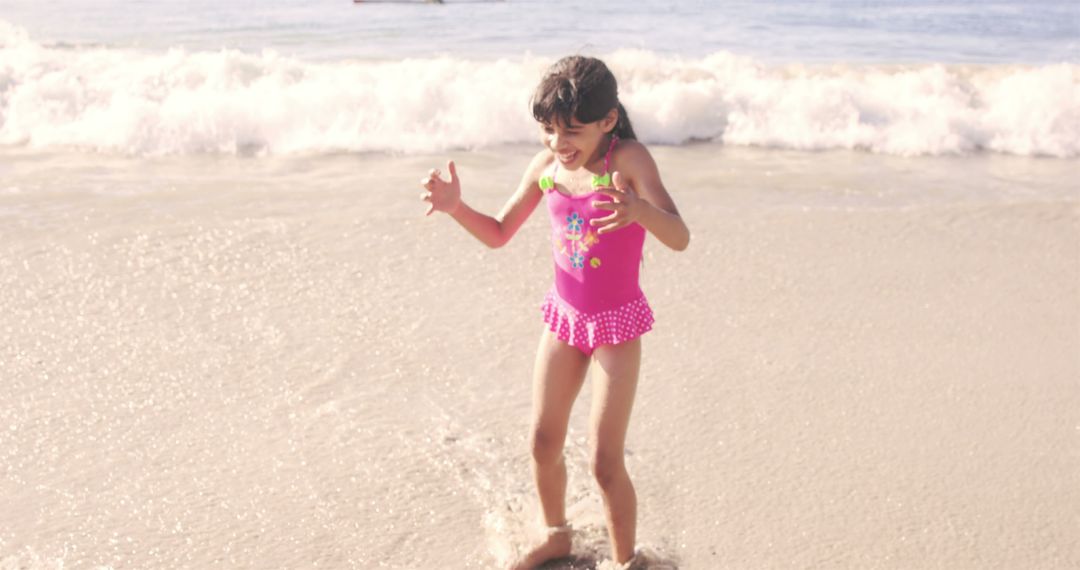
[546, 446]
[607, 467]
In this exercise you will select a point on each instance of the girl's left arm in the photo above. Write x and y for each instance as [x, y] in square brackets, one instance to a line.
[640, 197]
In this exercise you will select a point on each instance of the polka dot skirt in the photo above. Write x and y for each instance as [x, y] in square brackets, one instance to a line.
[586, 331]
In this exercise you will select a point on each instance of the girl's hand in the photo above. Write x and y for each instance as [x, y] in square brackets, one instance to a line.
[439, 194]
[627, 207]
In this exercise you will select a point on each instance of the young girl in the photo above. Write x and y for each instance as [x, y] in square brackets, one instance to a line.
[603, 193]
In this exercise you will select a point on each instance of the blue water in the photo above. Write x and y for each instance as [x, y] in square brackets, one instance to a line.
[1031, 32]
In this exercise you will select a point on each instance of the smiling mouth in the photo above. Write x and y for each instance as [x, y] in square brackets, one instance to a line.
[567, 157]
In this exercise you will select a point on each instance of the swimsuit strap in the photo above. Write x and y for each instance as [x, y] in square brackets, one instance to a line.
[605, 178]
[548, 182]
[611, 148]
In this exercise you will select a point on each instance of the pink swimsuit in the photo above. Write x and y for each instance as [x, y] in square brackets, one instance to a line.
[596, 299]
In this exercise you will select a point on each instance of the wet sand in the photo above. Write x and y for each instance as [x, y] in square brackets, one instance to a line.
[860, 362]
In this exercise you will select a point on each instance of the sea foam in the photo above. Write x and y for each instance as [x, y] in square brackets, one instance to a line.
[178, 102]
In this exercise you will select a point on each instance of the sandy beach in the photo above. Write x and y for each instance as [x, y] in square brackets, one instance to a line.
[230, 339]
[861, 361]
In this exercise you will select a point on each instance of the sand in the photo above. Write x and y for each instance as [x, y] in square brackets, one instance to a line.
[860, 362]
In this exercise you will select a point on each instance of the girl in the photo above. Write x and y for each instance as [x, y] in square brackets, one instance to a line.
[603, 192]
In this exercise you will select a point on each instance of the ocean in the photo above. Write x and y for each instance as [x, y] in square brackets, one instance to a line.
[281, 78]
[229, 337]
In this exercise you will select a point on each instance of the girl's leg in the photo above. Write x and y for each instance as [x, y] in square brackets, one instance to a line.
[557, 379]
[614, 384]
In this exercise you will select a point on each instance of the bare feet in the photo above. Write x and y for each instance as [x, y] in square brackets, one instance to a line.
[635, 563]
[557, 545]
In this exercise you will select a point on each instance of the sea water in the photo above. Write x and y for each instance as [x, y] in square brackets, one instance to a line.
[273, 78]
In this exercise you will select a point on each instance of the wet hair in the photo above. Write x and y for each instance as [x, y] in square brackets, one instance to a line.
[581, 88]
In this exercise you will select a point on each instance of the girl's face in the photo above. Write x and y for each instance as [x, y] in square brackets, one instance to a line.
[577, 144]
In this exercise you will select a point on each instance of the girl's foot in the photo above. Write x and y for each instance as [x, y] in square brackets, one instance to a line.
[635, 563]
[557, 545]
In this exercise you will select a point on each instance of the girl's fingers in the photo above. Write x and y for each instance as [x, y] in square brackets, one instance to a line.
[598, 221]
[610, 191]
[607, 205]
[611, 227]
[618, 181]
[453, 171]
[430, 209]
[425, 196]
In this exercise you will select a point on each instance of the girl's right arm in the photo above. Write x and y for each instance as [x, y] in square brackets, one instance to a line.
[445, 196]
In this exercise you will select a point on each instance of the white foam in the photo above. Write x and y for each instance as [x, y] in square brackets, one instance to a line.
[230, 102]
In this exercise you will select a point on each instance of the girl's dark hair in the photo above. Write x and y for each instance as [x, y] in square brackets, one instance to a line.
[582, 88]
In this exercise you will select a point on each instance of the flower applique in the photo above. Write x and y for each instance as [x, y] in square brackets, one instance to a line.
[589, 239]
[574, 222]
[576, 244]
